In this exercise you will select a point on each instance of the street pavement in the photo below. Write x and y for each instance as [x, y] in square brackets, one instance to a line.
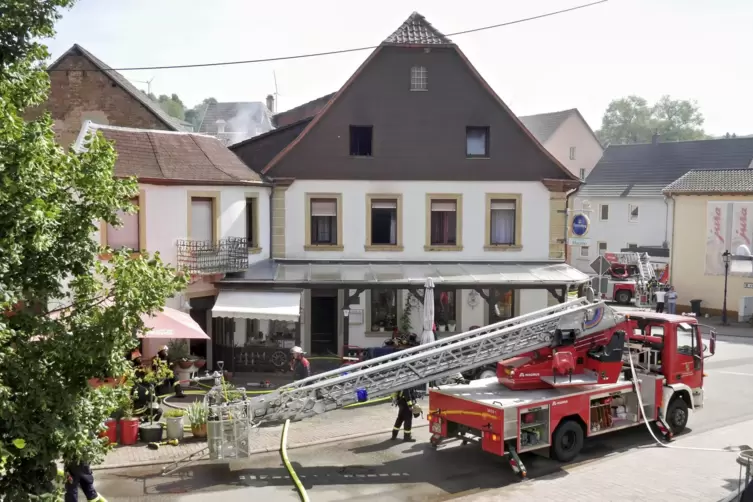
[622, 466]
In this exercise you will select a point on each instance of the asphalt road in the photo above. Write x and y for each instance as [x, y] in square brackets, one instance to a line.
[378, 469]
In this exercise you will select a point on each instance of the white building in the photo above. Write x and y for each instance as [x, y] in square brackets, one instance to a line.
[624, 190]
[568, 137]
[414, 169]
[199, 206]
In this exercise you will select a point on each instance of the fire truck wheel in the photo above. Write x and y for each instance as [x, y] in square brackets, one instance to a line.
[623, 297]
[487, 373]
[567, 441]
[677, 415]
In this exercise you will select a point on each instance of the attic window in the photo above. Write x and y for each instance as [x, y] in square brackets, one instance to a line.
[419, 79]
[361, 140]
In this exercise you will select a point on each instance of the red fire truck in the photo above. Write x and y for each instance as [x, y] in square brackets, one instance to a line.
[554, 398]
[629, 278]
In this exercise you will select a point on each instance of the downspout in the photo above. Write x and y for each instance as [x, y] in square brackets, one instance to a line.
[271, 219]
[671, 257]
[666, 220]
[571, 193]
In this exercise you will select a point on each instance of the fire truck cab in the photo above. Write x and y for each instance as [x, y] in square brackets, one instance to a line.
[554, 398]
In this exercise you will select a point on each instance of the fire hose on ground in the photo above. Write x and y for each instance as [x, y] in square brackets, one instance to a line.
[284, 454]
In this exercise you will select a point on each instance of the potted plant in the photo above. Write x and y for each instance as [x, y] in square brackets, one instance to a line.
[174, 422]
[442, 327]
[129, 425]
[199, 363]
[451, 326]
[197, 416]
[152, 432]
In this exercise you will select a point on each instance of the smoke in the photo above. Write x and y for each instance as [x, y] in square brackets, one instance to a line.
[251, 119]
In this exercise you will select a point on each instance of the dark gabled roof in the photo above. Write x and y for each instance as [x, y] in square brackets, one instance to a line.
[304, 111]
[171, 157]
[726, 181]
[644, 170]
[171, 122]
[258, 151]
[543, 125]
[416, 30]
[237, 117]
[568, 181]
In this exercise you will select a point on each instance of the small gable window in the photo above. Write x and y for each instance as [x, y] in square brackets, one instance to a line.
[419, 79]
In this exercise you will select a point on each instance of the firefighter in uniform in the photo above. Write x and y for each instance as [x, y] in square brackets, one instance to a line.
[300, 365]
[174, 384]
[407, 409]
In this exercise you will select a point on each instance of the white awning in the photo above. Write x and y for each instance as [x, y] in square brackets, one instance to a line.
[262, 305]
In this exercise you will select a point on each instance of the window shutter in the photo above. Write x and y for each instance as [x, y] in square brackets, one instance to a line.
[383, 204]
[324, 208]
[444, 206]
[502, 205]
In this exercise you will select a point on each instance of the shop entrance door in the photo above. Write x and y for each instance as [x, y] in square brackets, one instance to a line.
[324, 322]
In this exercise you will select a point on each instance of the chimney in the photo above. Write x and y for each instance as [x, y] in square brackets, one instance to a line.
[655, 138]
[220, 126]
[271, 103]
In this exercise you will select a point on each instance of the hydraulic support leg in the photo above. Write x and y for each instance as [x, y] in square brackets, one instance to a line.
[515, 462]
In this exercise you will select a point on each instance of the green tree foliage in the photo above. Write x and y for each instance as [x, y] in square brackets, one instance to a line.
[171, 104]
[632, 120]
[196, 114]
[65, 317]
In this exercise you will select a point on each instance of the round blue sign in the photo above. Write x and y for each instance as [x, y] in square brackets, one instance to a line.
[579, 225]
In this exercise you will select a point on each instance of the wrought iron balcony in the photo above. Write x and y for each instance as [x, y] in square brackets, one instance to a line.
[207, 257]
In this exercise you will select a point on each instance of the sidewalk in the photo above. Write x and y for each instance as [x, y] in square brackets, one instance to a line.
[651, 473]
[336, 424]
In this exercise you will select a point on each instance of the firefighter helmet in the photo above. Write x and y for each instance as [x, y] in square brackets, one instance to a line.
[296, 350]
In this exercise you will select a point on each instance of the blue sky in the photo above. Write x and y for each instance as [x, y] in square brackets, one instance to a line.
[690, 49]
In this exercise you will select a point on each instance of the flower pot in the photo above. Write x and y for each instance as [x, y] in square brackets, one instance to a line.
[185, 364]
[174, 427]
[199, 363]
[451, 327]
[182, 375]
[199, 431]
[129, 431]
[228, 375]
[381, 328]
[150, 433]
[111, 433]
[442, 327]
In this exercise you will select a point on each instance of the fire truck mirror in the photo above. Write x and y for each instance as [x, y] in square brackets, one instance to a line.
[712, 344]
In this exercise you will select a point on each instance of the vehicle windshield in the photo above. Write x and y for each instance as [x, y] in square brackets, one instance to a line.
[687, 343]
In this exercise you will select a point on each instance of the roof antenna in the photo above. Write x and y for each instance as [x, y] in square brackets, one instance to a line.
[277, 94]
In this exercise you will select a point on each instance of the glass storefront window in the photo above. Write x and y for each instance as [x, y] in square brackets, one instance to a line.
[383, 309]
[504, 299]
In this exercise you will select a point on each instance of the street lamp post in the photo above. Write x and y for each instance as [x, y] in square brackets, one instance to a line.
[726, 257]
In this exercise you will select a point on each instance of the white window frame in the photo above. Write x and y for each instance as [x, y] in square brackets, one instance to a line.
[601, 212]
[582, 173]
[630, 213]
[572, 153]
[587, 251]
[598, 247]
[419, 78]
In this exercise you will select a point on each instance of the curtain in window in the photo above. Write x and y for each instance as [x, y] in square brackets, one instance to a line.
[323, 221]
[476, 142]
[503, 223]
[443, 222]
[126, 236]
[202, 220]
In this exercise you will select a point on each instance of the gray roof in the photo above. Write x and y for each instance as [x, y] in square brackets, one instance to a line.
[700, 181]
[170, 121]
[644, 170]
[416, 30]
[543, 125]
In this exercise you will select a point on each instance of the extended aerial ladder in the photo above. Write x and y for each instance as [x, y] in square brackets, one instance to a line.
[431, 362]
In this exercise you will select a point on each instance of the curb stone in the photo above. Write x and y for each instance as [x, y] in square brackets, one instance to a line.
[252, 452]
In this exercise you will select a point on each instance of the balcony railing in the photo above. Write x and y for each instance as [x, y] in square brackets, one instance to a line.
[207, 257]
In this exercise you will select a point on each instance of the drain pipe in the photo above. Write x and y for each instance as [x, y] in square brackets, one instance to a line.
[271, 219]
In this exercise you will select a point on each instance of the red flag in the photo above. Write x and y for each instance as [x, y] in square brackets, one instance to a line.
[664, 278]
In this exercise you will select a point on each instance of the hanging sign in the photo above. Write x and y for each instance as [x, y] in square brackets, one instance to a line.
[579, 225]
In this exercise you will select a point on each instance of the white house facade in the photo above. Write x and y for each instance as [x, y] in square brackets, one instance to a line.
[624, 193]
[568, 137]
[415, 169]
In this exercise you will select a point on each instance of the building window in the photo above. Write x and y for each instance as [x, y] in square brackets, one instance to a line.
[324, 221]
[252, 222]
[633, 215]
[502, 305]
[445, 310]
[572, 153]
[361, 141]
[602, 248]
[477, 142]
[584, 251]
[503, 220]
[444, 222]
[419, 78]
[202, 219]
[383, 223]
[604, 212]
[126, 236]
[383, 309]
[582, 173]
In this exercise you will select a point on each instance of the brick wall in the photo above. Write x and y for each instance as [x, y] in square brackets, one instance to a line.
[82, 93]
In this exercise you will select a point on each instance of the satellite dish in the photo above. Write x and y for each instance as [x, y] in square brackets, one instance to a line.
[589, 292]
